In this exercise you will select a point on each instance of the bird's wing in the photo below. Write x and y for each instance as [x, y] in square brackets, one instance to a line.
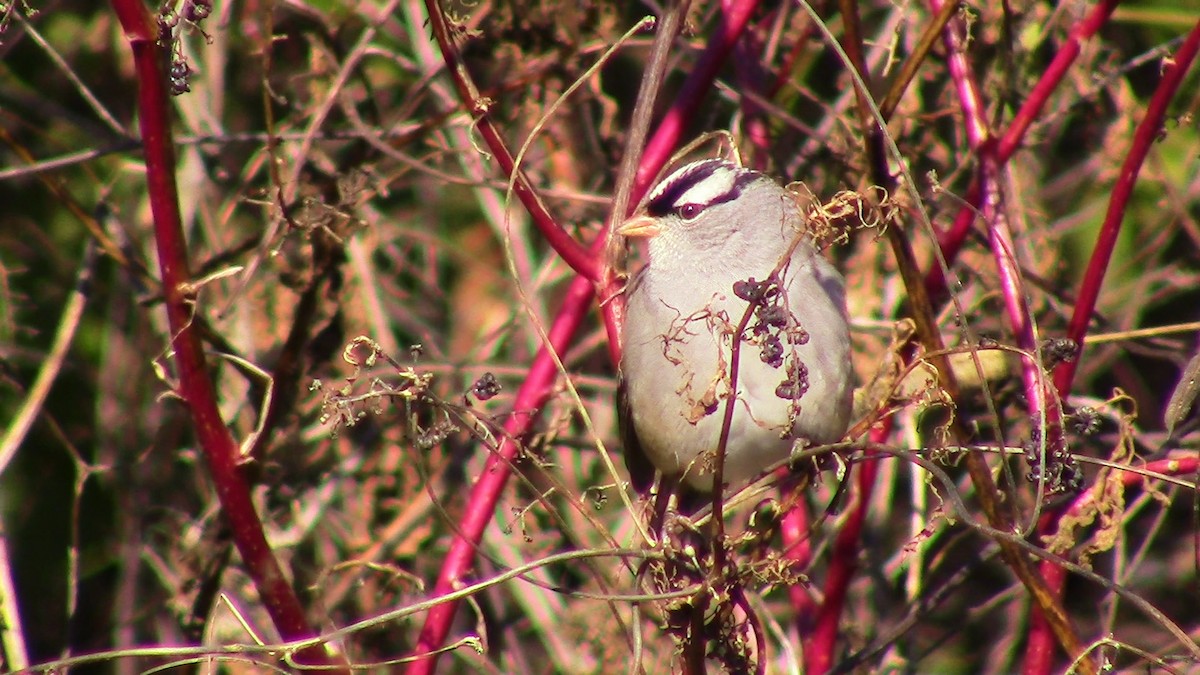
[641, 470]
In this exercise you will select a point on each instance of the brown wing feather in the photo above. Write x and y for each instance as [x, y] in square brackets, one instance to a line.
[641, 470]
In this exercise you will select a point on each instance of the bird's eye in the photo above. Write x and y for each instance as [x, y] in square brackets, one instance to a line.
[689, 211]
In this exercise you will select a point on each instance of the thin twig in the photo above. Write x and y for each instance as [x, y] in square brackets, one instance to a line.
[52, 363]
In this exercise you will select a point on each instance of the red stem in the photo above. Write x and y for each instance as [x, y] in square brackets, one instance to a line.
[988, 190]
[818, 650]
[952, 240]
[796, 533]
[749, 72]
[1144, 137]
[1053, 76]
[1039, 652]
[670, 130]
[585, 263]
[820, 644]
[538, 386]
[535, 391]
[216, 442]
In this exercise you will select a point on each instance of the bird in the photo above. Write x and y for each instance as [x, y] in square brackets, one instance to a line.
[723, 238]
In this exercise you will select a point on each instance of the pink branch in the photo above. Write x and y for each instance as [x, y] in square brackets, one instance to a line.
[952, 240]
[796, 533]
[999, 234]
[538, 386]
[820, 644]
[670, 129]
[535, 391]
[960, 72]
[1039, 651]
[1175, 466]
[749, 71]
[1053, 76]
[1041, 406]
[217, 444]
[584, 263]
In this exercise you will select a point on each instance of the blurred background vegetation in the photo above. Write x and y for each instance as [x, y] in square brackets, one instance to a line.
[333, 187]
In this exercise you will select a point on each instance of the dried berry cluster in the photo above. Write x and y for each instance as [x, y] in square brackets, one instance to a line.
[772, 325]
[169, 22]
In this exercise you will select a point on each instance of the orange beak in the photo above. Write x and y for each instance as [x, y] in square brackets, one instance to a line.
[642, 226]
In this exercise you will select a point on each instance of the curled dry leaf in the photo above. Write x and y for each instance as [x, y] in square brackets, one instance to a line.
[1184, 395]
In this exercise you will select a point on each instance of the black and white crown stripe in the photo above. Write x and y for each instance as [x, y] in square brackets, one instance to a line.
[700, 184]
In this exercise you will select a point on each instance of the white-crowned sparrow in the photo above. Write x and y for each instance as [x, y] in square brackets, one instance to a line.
[716, 232]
